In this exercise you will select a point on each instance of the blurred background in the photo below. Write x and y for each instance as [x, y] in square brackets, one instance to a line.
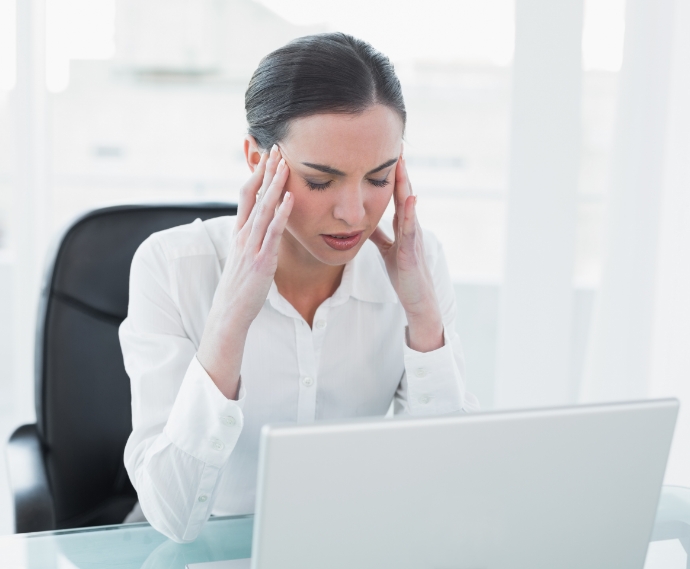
[549, 144]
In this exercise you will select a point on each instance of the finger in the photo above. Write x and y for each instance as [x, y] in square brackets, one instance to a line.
[272, 194]
[266, 208]
[269, 174]
[248, 192]
[381, 240]
[275, 230]
[402, 186]
[408, 225]
[410, 190]
[270, 169]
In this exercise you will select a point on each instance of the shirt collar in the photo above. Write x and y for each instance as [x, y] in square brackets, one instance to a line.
[364, 278]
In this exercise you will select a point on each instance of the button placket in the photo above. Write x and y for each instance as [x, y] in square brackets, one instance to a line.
[306, 365]
[320, 326]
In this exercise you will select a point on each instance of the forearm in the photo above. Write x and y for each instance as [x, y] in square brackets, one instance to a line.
[194, 442]
[221, 350]
[433, 381]
[171, 504]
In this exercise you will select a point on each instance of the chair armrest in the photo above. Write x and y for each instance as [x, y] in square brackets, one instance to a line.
[33, 503]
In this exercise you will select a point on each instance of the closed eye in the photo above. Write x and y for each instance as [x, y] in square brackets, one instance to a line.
[324, 185]
[318, 187]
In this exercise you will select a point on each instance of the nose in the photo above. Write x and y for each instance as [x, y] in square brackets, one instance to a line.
[349, 205]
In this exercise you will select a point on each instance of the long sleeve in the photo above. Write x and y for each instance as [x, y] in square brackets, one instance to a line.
[433, 382]
[184, 429]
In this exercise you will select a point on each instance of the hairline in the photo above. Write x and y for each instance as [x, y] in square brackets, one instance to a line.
[335, 111]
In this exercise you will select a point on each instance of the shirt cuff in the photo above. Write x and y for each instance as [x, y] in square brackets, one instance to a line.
[203, 422]
[433, 380]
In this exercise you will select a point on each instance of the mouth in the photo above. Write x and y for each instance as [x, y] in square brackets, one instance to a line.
[342, 241]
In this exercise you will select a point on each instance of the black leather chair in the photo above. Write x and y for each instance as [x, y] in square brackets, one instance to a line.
[67, 470]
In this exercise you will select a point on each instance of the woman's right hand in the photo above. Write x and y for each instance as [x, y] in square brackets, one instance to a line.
[248, 273]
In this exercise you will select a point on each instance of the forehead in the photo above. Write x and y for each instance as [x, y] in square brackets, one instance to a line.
[372, 136]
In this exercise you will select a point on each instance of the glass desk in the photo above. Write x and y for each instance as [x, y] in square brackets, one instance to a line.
[128, 546]
[135, 546]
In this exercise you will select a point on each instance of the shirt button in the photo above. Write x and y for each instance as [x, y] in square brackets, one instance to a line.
[307, 381]
[320, 324]
[203, 498]
[229, 421]
[217, 445]
[420, 372]
[424, 399]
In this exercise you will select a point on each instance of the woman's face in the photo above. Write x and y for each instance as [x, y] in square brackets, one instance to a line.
[342, 174]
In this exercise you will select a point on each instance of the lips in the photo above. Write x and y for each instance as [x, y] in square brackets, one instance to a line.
[342, 241]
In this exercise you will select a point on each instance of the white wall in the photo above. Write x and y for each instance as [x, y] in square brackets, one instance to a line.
[533, 359]
[670, 350]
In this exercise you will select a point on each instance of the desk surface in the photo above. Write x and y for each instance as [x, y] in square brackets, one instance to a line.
[136, 546]
[131, 546]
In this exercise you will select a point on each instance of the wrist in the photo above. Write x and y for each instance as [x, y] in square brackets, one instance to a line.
[425, 333]
[229, 318]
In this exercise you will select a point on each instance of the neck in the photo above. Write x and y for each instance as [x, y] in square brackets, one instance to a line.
[304, 281]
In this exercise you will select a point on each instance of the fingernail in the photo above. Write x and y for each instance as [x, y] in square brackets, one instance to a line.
[415, 200]
[287, 196]
[281, 164]
[274, 149]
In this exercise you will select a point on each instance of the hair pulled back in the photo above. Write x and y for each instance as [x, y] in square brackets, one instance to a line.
[323, 73]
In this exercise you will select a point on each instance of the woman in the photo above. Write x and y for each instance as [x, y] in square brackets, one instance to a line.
[299, 308]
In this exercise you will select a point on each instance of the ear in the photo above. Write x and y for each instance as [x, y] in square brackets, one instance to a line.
[252, 152]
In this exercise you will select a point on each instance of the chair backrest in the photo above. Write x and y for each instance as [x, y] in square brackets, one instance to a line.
[83, 400]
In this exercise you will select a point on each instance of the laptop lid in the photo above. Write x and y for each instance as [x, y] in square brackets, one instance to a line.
[569, 488]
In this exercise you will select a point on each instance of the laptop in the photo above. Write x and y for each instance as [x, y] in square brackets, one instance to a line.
[573, 487]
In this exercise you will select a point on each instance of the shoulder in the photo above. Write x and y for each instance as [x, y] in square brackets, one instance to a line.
[210, 238]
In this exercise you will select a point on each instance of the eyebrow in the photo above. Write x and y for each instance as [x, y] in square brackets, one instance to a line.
[335, 172]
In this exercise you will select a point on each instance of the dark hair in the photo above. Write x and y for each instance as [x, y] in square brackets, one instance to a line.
[323, 73]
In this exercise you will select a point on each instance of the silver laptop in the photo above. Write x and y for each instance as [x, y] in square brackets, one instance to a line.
[564, 488]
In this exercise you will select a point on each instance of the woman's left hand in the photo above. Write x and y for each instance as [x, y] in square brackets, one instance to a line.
[407, 268]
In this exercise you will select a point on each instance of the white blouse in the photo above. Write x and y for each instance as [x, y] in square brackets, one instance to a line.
[192, 452]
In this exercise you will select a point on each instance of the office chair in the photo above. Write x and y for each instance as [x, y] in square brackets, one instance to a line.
[67, 469]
